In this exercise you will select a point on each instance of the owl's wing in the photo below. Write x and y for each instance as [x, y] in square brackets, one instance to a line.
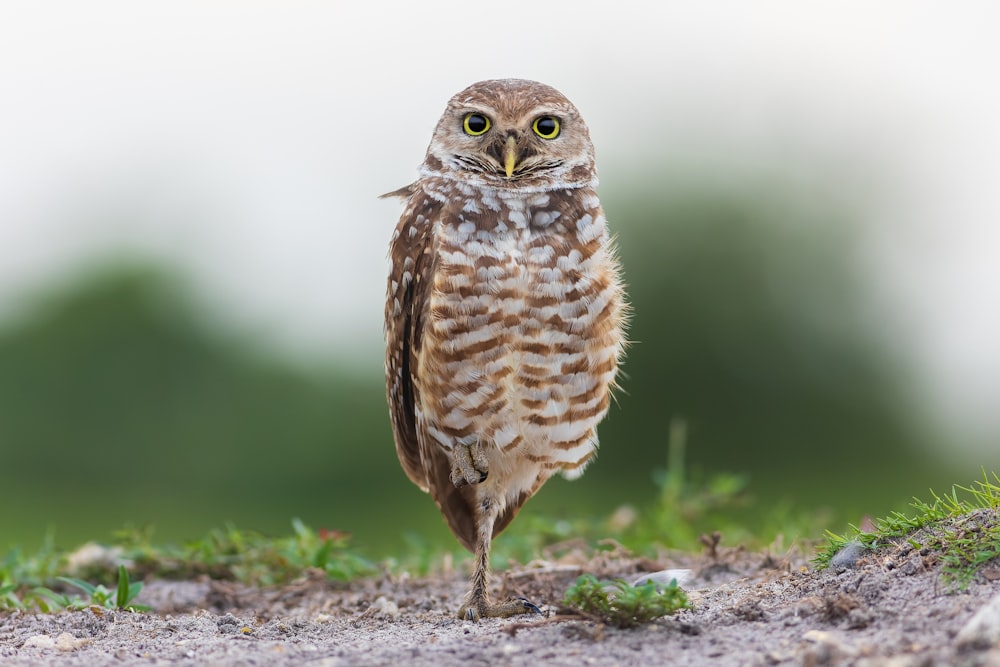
[424, 461]
[410, 257]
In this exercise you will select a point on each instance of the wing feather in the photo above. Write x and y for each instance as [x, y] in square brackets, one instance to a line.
[406, 298]
[425, 462]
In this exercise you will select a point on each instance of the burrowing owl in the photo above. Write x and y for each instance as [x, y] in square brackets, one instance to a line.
[505, 313]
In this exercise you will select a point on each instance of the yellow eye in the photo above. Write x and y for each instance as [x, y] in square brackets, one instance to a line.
[547, 127]
[475, 124]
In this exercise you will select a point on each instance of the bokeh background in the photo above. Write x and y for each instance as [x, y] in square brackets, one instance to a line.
[192, 252]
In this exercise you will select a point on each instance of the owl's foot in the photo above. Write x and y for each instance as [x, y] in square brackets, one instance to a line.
[477, 609]
[469, 464]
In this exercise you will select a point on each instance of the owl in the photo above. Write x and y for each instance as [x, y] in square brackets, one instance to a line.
[504, 316]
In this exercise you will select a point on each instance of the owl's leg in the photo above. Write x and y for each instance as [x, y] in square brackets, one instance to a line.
[477, 602]
[469, 464]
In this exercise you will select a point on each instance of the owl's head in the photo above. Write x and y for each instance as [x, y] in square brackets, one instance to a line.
[512, 134]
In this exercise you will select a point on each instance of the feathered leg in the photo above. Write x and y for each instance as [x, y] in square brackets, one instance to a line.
[477, 602]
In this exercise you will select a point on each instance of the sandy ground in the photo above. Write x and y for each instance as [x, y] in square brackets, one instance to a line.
[885, 608]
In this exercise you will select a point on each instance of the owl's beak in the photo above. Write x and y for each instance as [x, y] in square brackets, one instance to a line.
[510, 155]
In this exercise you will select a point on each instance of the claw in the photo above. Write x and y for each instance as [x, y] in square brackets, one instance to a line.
[474, 611]
[469, 465]
[477, 452]
[529, 605]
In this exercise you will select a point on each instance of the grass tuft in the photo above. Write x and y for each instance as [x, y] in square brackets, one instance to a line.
[954, 525]
[621, 604]
[230, 553]
[97, 597]
[247, 556]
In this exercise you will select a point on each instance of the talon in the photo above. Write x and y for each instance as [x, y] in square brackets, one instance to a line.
[469, 465]
[474, 611]
[529, 605]
[479, 461]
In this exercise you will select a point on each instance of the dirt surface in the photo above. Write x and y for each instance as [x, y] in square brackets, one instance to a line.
[890, 607]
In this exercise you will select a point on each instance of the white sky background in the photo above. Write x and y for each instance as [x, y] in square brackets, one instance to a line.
[246, 142]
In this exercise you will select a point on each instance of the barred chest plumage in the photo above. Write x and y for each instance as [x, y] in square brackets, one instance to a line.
[522, 330]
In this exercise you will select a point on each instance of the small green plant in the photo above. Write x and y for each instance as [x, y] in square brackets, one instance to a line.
[689, 504]
[228, 553]
[948, 525]
[20, 572]
[965, 550]
[621, 604]
[249, 556]
[97, 596]
[32, 570]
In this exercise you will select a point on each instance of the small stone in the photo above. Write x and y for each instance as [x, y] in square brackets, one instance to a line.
[63, 642]
[893, 661]
[859, 618]
[824, 648]
[748, 610]
[808, 606]
[93, 555]
[847, 558]
[39, 641]
[383, 608]
[983, 629]
[664, 577]
[776, 657]
[67, 642]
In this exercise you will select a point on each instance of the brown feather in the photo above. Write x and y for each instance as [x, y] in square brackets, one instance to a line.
[403, 336]
[457, 503]
[403, 193]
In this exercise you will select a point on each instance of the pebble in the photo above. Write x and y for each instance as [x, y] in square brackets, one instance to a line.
[664, 577]
[983, 629]
[824, 648]
[63, 642]
[847, 558]
[383, 608]
[39, 641]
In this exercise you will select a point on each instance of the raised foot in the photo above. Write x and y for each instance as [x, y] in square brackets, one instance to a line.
[469, 464]
[512, 607]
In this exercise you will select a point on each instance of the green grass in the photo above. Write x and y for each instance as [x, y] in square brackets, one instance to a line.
[947, 525]
[97, 597]
[249, 556]
[621, 604]
[686, 507]
[229, 553]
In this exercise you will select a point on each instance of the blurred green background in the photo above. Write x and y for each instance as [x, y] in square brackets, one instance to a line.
[121, 402]
[192, 252]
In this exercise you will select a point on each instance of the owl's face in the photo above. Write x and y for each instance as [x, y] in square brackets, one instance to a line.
[512, 134]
